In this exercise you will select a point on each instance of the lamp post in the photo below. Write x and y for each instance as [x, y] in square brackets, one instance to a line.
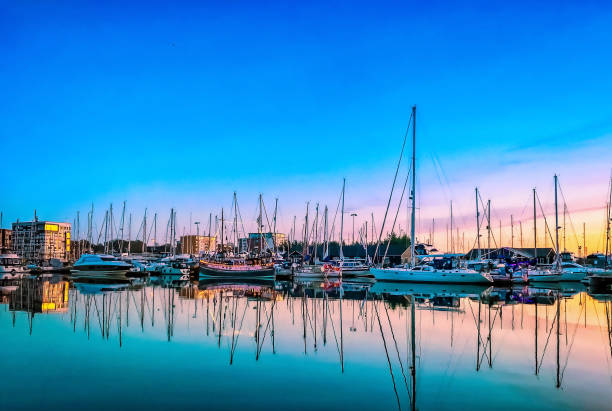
[353, 215]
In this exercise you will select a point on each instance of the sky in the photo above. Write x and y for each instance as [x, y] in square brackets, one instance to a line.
[181, 105]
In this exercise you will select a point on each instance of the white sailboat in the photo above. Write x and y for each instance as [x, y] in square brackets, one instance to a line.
[557, 272]
[425, 273]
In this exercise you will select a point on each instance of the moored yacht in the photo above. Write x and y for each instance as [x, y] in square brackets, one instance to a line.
[99, 265]
[11, 266]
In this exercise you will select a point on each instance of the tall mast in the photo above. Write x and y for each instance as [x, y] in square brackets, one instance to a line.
[564, 227]
[155, 231]
[144, 231]
[222, 230]
[316, 232]
[489, 228]
[90, 228]
[78, 223]
[608, 219]
[535, 232]
[111, 228]
[236, 222]
[451, 227]
[129, 235]
[122, 227]
[325, 240]
[478, 226]
[342, 220]
[274, 234]
[259, 226]
[413, 189]
[558, 262]
[105, 231]
[305, 233]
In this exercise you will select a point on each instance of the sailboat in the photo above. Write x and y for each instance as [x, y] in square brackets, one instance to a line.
[225, 264]
[556, 272]
[425, 273]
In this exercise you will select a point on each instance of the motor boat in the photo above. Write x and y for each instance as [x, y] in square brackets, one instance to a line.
[99, 265]
[11, 266]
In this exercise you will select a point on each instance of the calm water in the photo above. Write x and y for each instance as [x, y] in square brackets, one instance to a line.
[158, 345]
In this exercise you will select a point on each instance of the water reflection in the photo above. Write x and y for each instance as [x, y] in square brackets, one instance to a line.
[419, 336]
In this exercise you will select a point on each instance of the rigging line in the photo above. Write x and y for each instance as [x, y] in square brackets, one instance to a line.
[566, 211]
[397, 349]
[382, 334]
[263, 339]
[571, 343]
[399, 206]
[399, 162]
[552, 325]
[547, 228]
[333, 226]
[240, 328]
[476, 323]
[333, 327]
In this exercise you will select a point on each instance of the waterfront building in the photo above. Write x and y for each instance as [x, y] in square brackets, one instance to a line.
[545, 255]
[41, 240]
[194, 244]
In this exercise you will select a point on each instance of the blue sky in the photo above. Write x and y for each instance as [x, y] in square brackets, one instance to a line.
[179, 105]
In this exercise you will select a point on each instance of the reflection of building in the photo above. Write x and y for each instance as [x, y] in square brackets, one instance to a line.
[544, 255]
[41, 240]
[5, 238]
[208, 291]
[193, 244]
[40, 296]
[264, 240]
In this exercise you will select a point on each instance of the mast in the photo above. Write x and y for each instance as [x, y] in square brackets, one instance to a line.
[259, 226]
[558, 262]
[489, 228]
[144, 231]
[129, 248]
[155, 231]
[305, 233]
[535, 232]
[236, 222]
[451, 227]
[325, 240]
[413, 188]
[342, 220]
[111, 228]
[274, 234]
[316, 232]
[478, 226]
[222, 230]
[608, 219]
[122, 227]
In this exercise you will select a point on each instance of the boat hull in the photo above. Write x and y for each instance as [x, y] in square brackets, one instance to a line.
[439, 277]
[206, 271]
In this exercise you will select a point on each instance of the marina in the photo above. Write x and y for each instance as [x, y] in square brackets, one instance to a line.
[306, 206]
[164, 344]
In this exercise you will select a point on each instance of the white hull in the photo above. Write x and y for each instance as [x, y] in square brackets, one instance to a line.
[436, 276]
[556, 277]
